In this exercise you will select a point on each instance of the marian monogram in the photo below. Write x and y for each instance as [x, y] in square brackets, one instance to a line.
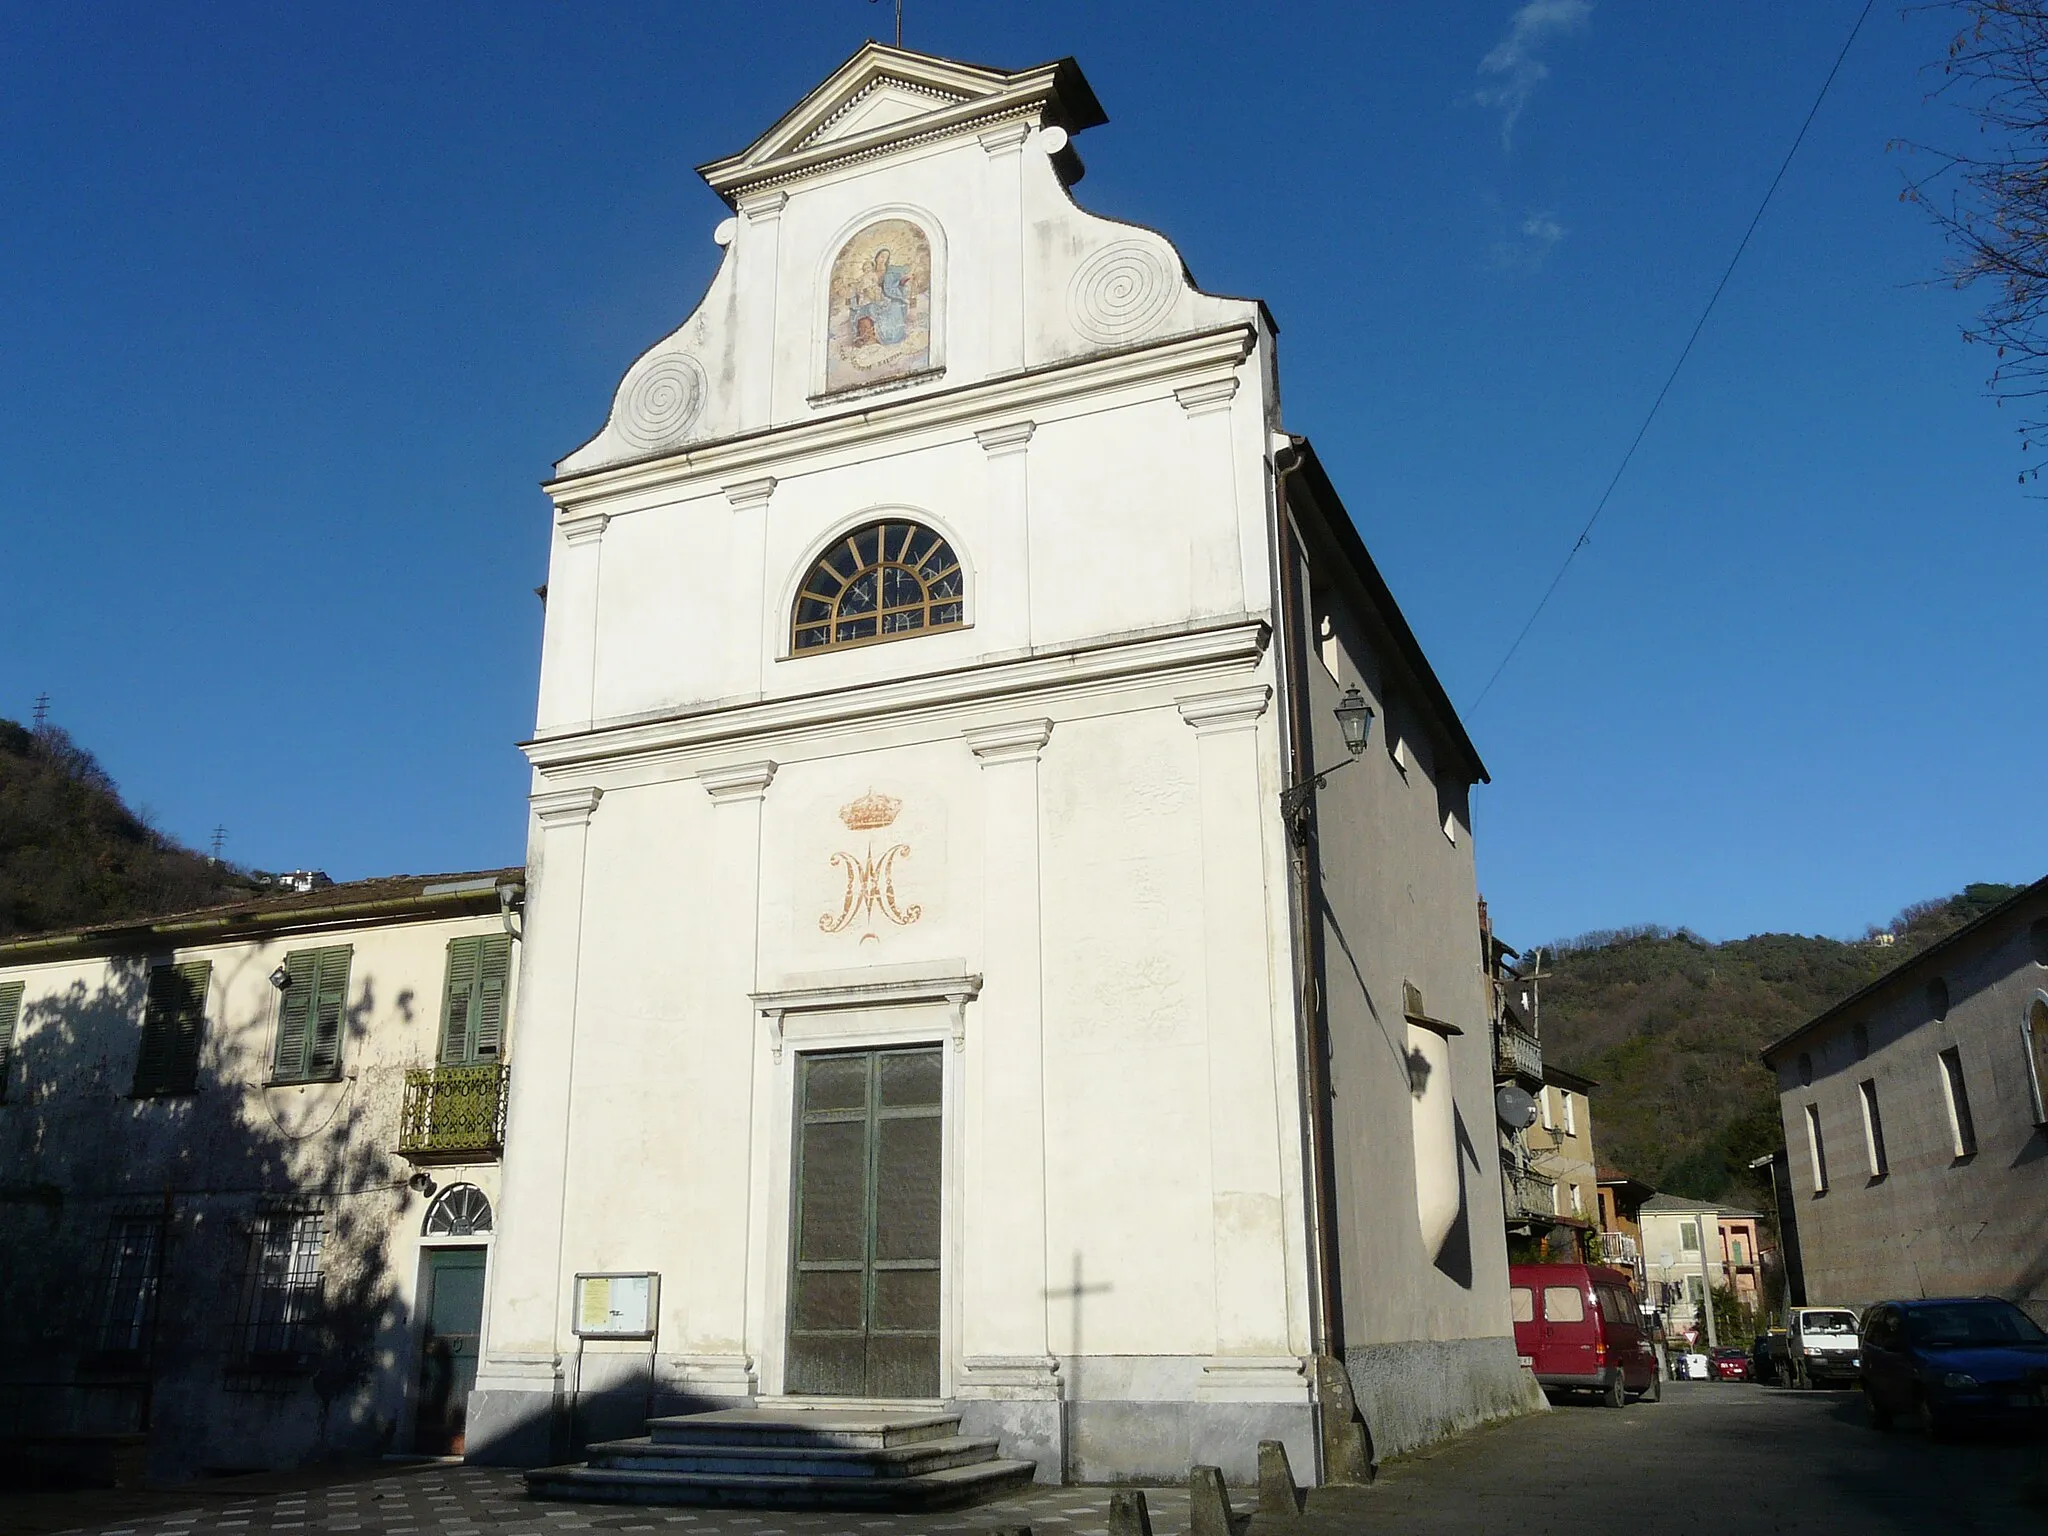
[870, 895]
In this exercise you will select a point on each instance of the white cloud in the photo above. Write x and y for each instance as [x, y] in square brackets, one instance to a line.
[1544, 229]
[1513, 62]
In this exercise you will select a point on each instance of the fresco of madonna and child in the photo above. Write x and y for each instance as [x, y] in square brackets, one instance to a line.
[880, 298]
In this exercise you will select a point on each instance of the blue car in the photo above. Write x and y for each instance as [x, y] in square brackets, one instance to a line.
[1965, 1360]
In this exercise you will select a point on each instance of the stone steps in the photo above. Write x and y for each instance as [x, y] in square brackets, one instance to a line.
[823, 1458]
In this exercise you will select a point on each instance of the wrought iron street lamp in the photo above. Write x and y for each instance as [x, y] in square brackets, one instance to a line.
[1354, 719]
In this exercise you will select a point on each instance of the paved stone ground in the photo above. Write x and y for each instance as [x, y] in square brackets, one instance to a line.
[1734, 1459]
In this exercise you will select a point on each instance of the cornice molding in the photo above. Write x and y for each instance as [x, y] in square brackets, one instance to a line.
[869, 704]
[1012, 395]
[1006, 139]
[997, 441]
[1231, 709]
[566, 807]
[739, 782]
[763, 207]
[583, 527]
[1200, 399]
[1015, 742]
[751, 493]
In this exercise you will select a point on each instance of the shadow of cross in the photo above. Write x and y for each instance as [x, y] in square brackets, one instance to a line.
[1073, 1296]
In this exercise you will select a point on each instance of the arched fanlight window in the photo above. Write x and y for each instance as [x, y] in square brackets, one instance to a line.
[462, 1211]
[881, 582]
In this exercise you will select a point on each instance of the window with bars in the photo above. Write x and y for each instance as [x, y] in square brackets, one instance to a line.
[309, 1015]
[172, 1023]
[128, 1301]
[281, 1285]
[10, 1016]
[886, 581]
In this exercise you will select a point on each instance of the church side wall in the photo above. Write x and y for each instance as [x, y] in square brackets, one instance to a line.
[1423, 1276]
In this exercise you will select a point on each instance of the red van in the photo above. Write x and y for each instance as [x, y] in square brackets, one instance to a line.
[1578, 1328]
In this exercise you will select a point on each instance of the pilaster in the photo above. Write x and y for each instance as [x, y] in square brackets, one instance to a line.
[1003, 597]
[1005, 1363]
[569, 660]
[528, 1313]
[719, 1317]
[1003, 309]
[1217, 575]
[1245, 1167]
[759, 239]
[750, 635]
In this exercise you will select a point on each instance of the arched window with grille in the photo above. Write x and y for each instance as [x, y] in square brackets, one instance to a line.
[886, 580]
[463, 1210]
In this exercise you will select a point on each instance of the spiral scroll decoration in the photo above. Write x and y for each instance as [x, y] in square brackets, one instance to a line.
[660, 403]
[1120, 293]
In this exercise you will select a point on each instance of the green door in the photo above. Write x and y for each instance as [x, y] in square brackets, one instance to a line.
[864, 1282]
[453, 1299]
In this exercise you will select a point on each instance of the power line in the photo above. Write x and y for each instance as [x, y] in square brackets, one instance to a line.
[1684, 352]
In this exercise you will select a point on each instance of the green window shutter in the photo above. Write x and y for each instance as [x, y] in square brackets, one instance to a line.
[189, 1025]
[10, 1016]
[494, 974]
[324, 1053]
[295, 1016]
[168, 1061]
[458, 1001]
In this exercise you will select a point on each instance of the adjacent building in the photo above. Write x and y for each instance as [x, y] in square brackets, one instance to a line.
[1916, 1123]
[1691, 1250]
[1001, 862]
[248, 1171]
[1621, 1223]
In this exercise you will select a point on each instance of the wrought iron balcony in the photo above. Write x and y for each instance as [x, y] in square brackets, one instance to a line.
[1516, 1053]
[1619, 1249]
[453, 1113]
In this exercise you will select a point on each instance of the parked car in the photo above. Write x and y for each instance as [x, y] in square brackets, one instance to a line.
[1767, 1356]
[1954, 1362]
[1730, 1364]
[1578, 1327]
[1821, 1347]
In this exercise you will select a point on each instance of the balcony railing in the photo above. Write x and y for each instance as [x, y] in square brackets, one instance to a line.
[453, 1112]
[1619, 1248]
[1517, 1053]
[1528, 1195]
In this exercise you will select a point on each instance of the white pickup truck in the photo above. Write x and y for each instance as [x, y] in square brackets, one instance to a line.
[1822, 1345]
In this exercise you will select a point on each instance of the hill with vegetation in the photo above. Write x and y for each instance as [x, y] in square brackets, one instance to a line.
[1671, 1027]
[72, 853]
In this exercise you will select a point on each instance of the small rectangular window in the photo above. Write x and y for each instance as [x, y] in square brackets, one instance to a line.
[1578, 1201]
[10, 1016]
[1873, 1129]
[1571, 1115]
[1563, 1304]
[1543, 1098]
[1689, 1237]
[473, 999]
[1816, 1149]
[310, 1013]
[1961, 1127]
[172, 1021]
[1521, 1304]
[1556, 1201]
[281, 1284]
[128, 1304]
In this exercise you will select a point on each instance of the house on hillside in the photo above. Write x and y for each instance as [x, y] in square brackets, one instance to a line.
[1001, 862]
[248, 1171]
[1693, 1249]
[1916, 1122]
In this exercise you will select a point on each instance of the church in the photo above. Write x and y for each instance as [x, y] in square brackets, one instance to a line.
[1001, 928]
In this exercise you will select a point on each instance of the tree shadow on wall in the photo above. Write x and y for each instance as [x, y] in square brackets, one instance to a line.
[206, 1270]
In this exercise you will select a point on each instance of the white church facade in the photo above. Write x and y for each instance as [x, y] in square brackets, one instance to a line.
[931, 993]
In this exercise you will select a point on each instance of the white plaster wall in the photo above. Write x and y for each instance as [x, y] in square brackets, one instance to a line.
[67, 1123]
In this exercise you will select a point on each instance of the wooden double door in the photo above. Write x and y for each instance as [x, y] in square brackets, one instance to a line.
[864, 1263]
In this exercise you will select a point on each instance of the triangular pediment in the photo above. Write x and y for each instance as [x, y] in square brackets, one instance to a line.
[885, 95]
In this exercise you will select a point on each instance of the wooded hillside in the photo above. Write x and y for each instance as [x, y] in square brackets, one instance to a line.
[1671, 1026]
[71, 853]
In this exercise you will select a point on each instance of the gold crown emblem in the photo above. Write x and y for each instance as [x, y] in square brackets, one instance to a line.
[870, 811]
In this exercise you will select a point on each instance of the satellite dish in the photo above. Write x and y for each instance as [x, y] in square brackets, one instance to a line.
[1517, 1110]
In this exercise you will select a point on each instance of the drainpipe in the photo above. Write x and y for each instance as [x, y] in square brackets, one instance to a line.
[1326, 1324]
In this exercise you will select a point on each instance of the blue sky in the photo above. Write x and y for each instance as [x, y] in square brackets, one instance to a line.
[303, 302]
